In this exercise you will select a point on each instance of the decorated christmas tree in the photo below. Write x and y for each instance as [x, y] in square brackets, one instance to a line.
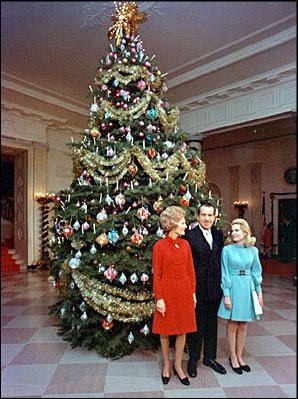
[131, 163]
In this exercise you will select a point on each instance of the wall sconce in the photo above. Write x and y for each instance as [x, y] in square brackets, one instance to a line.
[241, 206]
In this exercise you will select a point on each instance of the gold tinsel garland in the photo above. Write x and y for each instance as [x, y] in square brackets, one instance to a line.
[99, 168]
[133, 112]
[123, 73]
[122, 304]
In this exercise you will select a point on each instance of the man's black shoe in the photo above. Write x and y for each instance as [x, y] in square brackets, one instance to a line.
[215, 366]
[192, 368]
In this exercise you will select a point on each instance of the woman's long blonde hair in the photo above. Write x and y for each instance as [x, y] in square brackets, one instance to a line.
[249, 241]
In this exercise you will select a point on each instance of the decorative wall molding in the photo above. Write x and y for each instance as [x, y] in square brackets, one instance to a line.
[257, 82]
[260, 103]
[274, 25]
[28, 89]
[52, 121]
[236, 56]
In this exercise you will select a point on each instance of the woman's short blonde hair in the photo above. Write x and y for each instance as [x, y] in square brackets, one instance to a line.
[170, 217]
[249, 241]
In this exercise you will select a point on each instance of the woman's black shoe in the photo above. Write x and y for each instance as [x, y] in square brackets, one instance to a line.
[245, 368]
[237, 370]
[165, 380]
[184, 381]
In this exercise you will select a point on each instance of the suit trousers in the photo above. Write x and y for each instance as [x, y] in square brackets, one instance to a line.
[206, 336]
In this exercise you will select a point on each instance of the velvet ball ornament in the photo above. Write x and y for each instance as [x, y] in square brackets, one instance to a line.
[107, 325]
[68, 231]
[95, 132]
[132, 169]
[136, 238]
[151, 153]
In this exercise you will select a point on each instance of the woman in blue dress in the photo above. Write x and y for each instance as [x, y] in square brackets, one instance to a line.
[241, 275]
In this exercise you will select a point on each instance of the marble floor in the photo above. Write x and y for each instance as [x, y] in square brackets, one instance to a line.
[37, 363]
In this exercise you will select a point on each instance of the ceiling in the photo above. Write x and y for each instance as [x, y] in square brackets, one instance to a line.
[50, 50]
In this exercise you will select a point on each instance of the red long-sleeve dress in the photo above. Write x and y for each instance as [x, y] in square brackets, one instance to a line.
[174, 281]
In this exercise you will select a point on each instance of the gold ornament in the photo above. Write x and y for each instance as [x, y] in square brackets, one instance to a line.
[132, 169]
[102, 239]
[158, 205]
[126, 20]
[95, 132]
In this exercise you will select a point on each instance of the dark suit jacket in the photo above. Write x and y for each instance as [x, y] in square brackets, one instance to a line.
[207, 263]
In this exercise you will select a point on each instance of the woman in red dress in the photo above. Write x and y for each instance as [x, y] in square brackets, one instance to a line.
[174, 288]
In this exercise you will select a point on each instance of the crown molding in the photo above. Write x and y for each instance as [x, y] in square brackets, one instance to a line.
[245, 52]
[10, 82]
[51, 121]
[257, 82]
[263, 102]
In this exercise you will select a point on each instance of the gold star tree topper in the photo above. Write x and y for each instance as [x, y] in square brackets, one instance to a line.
[126, 20]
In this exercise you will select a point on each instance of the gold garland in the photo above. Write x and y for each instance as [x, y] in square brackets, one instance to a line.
[98, 167]
[132, 72]
[133, 112]
[120, 303]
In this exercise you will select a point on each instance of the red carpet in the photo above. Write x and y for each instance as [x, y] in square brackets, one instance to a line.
[8, 264]
[275, 267]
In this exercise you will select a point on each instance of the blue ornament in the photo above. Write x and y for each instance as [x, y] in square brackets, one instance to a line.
[152, 113]
[113, 236]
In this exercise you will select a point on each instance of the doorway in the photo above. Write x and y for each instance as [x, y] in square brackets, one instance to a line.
[287, 217]
[14, 198]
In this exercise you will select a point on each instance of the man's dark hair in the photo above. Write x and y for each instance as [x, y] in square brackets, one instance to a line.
[205, 203]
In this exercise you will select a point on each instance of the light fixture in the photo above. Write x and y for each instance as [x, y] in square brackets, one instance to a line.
[241, 206]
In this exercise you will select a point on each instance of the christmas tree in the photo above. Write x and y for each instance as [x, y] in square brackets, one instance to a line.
[131, 163]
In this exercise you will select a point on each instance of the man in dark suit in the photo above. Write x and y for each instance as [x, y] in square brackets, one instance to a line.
[206, 243]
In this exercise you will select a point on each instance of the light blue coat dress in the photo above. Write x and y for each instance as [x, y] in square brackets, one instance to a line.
[241, 273]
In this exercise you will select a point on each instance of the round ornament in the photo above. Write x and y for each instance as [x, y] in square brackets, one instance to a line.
[95, 133]
[102, 239]
[136, 238]
[143, 213]
[158, 205]
[68, 231]
[101, 216]
[151, 153]
[132, 169]
[120, 200]
[107, 325]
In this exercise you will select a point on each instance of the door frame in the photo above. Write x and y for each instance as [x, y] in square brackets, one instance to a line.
[275, 197]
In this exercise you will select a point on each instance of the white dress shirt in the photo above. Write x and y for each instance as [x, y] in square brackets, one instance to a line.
[207, 234]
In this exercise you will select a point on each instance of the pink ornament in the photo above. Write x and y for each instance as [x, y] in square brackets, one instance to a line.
[141, 84]
[144, 277]
[143, 213]
[110, 273]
